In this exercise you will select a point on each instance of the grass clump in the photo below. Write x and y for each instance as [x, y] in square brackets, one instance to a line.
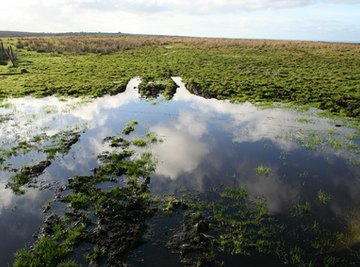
[139, 142]
[323, 197]
[152, 88]
[304, 120]
[263, 170]
[57, 242]
[25, 174]
[61, 143]
[130, 127]
[5, 105]
[301, 209]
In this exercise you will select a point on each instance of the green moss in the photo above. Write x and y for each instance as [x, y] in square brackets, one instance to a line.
[234, 193]
[352, 136]
[131, 204]
[243, 226]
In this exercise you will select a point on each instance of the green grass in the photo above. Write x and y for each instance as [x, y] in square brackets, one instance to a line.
[130, 127]
[263, 170]
[51, 250]
[139, 142]
[322, 77]
[301, 209]
[5, 105]
[304, 120]
[323, 197]
[52, 146]
[151, 88]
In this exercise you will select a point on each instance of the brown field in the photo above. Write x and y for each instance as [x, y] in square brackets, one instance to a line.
[108, 44]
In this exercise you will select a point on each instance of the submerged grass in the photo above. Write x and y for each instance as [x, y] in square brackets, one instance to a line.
[323, 197]
[228, 221]
[90, 206]
[58, 240]
[51, 146]
[224, 221]
[263, 170]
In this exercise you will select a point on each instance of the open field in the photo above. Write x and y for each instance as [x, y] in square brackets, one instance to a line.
[324, 75]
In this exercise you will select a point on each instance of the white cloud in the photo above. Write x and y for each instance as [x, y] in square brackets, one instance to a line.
[182, 149]
[198, 6]
[273, 19]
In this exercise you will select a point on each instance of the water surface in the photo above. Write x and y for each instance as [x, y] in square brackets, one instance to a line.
[206, 143]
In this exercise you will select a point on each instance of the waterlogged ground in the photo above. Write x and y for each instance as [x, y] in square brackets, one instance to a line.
[288, 178]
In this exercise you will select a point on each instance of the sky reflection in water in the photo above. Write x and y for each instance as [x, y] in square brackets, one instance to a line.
[206, 143]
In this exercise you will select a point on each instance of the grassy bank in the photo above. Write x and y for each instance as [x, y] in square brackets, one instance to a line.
[321, 74]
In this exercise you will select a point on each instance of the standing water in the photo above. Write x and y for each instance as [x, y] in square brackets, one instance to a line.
[284, 156]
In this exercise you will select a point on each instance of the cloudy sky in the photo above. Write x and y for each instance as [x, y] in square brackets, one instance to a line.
[331, 20]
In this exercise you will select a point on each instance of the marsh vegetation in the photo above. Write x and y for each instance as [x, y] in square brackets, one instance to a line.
[104, 169]
[324, 75]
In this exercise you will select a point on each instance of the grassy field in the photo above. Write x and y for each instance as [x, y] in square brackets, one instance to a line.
[324, 75]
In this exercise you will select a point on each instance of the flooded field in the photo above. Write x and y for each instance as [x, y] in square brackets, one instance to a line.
[296, 162]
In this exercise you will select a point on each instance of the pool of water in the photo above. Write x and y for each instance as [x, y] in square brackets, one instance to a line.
[283, 155]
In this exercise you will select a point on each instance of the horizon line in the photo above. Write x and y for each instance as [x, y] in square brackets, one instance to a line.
[10, 33]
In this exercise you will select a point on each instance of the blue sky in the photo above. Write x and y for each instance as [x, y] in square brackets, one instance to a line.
[328, 20]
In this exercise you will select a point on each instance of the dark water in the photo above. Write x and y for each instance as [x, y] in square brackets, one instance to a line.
[206, 143]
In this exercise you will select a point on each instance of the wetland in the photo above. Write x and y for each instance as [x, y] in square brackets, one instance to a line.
[180, 154]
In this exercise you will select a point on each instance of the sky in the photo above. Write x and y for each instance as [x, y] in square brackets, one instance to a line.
[325, 20]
